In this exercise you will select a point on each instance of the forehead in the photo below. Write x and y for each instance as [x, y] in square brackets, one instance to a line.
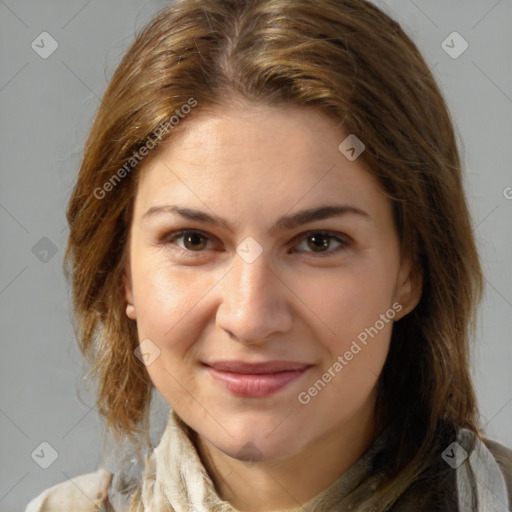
[264, 132]
[258, 154]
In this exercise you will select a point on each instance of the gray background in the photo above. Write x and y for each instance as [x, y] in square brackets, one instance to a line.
[46, 108]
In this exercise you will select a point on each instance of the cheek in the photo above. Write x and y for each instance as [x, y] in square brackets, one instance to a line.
[161, 297]
[166, 302]
[356, 357]
[345, 301]
[170, 304]
[353, 306]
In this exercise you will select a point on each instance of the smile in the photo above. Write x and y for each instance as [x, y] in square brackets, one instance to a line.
[255, 384]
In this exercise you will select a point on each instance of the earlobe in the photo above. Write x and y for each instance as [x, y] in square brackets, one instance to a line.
[130, 312]
[128, 294]
[409, 288]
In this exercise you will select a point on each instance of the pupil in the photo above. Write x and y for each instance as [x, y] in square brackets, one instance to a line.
[193, 238]
[322, 239]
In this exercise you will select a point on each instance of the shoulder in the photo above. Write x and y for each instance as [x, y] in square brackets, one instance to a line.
[83, 493]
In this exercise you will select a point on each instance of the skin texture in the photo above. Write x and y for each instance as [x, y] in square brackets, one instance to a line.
[197, 300]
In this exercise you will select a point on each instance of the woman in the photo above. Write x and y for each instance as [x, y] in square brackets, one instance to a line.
[269, 227]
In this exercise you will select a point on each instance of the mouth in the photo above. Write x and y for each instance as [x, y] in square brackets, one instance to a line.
[255, 379]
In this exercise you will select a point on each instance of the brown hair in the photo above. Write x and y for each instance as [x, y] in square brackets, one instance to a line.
[352, 62]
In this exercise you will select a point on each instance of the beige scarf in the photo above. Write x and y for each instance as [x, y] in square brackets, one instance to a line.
[175, 479]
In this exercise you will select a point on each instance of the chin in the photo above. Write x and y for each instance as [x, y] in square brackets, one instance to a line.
[255, 441]
[252, 450]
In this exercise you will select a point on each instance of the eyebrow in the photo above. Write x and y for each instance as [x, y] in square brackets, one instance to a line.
[286, 222]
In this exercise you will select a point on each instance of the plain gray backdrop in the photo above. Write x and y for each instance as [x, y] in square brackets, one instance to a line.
[46, 108]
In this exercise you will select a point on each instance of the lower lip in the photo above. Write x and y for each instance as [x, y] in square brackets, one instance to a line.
[252, 385]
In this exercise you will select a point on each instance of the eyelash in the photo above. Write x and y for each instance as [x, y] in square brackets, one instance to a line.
[344, 241]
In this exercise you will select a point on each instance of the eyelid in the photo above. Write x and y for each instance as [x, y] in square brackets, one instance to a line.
[343, 240]
[170, 237]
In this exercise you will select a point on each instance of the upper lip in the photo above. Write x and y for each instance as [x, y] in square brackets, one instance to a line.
[257, 368]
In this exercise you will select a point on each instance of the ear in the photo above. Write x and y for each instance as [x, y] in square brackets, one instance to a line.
[408, 288]
[128, 294]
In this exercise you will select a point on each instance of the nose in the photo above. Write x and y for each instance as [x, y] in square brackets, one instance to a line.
[255, 302]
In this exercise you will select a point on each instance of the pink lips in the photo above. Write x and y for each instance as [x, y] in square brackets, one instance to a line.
[255, 379]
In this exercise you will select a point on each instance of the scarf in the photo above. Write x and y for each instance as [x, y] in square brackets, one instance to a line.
[175, 479]
[481, 474]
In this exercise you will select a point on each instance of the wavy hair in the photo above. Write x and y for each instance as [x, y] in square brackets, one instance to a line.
[352, 62]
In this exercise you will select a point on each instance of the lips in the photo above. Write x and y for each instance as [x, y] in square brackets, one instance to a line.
[258, 368]
[255, 379]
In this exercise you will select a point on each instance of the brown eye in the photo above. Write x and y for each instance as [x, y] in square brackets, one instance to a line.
[319, 242]
[194, 241]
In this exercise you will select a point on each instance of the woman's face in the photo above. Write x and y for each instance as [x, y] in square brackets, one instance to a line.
[252, 280]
